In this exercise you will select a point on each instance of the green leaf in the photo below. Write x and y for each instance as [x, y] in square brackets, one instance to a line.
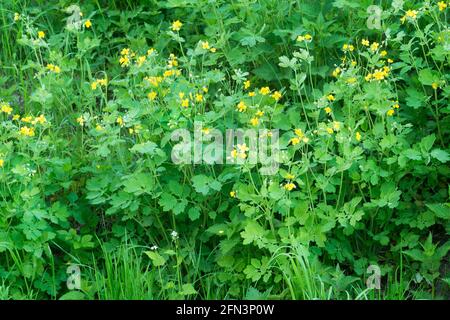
[156, 258]
[194, 213]
[73, 295]
[440, 155]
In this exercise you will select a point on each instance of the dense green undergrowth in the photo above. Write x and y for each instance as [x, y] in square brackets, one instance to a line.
[91, 92]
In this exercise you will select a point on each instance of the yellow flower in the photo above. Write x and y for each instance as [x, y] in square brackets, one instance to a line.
[358, 136]
[205, 45]
[234, 153]
[294, 141]
[41, 119]
[241, 106]
[213, 50]
[300, 38]
[348, 47]
[185, 103]
[94, 85]
[247, 84]
[16, 117]
[88, 24]
[233, 194]
[336, 72]
[383, 53]
[98, 127]
[125, 51]
[16, 16]
[353, 63]
[336, 125]
[2, 163]
[27, 119]
[435, 85]
[390, 113]
[140, 60]
[365, 42]
[80, 120]
[299, 133]
[150, 51]
[390, 60]
[120, 121]
[41, 34]
[254, 121]
[152, 95]
[26, 131]
[199, 97]
[411, 14]
[6, 108]
[374, 46]
[205, 89]
[276, 95]
[176, 25]
[442, 5]
[351, 80]
[308, 37]
[252, 94]
[289, 186]
[124, 61]
[243, 148]
[368, 77]
[289, 176]
[259, 113]
[396, 105]
[328, 110]
[330, 97]
[330, 130]
[181, 95]
[206, 131]
[379, 75]
[264, 91]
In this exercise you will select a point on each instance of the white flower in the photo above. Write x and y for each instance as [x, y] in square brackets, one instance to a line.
[154, 248]
[174, 235]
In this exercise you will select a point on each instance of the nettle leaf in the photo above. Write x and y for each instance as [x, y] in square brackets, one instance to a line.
[415, 98]
[204, 184]
[194, 214]
[412, 154]
[187, 289]
[440, 155]
[253, 232]
[156, 258]
[167, 201]
[441, 210]
[144, 148]
[428, 77]
[139, 183]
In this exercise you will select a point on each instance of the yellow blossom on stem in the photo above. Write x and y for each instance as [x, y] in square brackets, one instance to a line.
[247, 84]
[176, 25]
[254, 121]
[358, 136]
[390, 112]
[241, 106]
[289, 186]
[185, 103]
[233, 194]
[41, 34]
[88, 23]
[328, 110]
[152, 95]
[264, 91]
[276, 95]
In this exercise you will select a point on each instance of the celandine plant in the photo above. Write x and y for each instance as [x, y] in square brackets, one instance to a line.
[170, 151]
